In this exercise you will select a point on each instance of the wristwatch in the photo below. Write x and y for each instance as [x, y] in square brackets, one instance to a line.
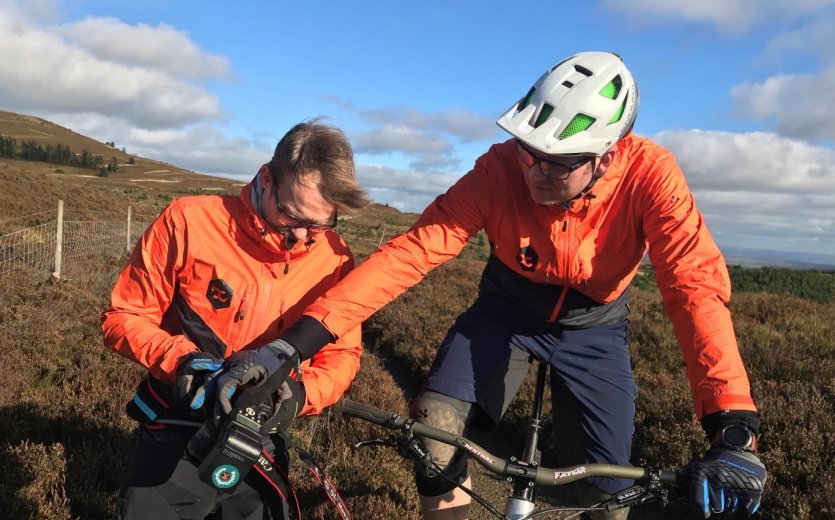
[737, 437]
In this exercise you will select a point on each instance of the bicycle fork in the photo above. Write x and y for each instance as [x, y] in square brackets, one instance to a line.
[521, 503]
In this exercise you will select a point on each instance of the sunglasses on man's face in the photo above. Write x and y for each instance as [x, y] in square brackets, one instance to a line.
[288, 220]
[551, 168]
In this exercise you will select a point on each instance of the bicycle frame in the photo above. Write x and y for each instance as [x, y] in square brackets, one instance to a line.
[525, 473]
[521, 503]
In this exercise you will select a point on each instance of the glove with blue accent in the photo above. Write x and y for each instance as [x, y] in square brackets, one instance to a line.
[194, 370]
[265, 368]
[726, 481]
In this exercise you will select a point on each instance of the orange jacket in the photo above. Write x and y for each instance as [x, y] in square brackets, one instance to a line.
[591, 250]
[209, 275]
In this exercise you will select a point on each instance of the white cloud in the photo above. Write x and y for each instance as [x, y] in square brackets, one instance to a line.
[393, 138]
[759, 188]
[757, 162]
[405, 190]
[428, 138]
[799, 103]
[161, 47]
[457, 122]
[790, 222]
[43, 70]
[201, 148]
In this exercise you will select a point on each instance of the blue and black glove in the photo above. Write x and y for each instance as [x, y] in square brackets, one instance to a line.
[264, 369]
[726, 480]
[194, 370]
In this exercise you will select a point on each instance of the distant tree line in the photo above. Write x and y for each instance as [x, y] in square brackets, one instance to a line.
[55, 154]
[815, 285]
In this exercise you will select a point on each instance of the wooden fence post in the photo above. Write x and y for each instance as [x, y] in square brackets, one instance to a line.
[127, 232]
[59, 240]
[382, 236]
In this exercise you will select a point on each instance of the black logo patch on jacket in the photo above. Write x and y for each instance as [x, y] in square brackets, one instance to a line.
[527, 258]
[219, 294]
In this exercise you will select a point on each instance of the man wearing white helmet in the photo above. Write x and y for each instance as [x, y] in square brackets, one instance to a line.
[570, 204]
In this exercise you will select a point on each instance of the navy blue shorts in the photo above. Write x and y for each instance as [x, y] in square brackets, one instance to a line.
[485, 357]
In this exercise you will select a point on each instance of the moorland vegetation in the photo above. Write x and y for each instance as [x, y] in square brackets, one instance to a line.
[65, 439]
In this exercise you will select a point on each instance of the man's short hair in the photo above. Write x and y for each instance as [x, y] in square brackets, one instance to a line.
[314, 146]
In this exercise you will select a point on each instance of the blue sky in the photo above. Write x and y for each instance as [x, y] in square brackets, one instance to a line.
[743, 91]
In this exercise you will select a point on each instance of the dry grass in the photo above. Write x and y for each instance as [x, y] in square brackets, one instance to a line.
[64, 437]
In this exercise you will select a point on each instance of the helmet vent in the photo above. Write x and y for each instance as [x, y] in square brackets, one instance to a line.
[584, 71]
[525, 101]
[612, 89]
[619, 113]
[567, 84]
[544, 114]
[579, 123]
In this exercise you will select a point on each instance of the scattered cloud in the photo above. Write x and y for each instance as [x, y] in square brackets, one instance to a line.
[429, 139]
[406, 190]
[45, 69]
[759, 186]
[202, 148]
[815, 37]
[800, 105]
[404, 139]
[161, 47]
[757, 162]
[791, 222]
[142, 86]
[456, 122]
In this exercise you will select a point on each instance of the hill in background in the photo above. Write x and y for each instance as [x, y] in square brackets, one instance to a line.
[31, 190]
[149, 185]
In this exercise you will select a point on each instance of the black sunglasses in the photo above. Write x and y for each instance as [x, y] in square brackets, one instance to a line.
[549, 167]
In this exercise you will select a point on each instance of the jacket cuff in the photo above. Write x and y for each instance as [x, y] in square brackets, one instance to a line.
[716, 421]
[308, 336]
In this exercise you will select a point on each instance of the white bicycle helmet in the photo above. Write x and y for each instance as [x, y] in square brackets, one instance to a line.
[583, 105]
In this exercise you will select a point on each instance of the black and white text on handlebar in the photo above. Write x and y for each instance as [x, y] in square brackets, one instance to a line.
[541, 475]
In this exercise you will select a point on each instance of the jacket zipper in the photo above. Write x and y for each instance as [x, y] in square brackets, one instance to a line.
[552, 318]
[240, 314]
[281, 315]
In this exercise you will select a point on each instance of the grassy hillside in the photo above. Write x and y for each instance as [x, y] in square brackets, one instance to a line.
[64, 436]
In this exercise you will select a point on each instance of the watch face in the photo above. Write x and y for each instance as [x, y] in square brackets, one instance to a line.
[735, 436]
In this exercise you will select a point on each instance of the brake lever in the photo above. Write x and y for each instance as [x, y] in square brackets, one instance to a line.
[406, 446]
[637, 495]
[373, 442]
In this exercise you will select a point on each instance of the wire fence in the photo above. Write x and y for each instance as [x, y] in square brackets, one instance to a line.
[56, 245]
[59, 245]
[33, 247]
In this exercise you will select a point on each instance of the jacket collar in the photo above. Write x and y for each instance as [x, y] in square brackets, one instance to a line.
[252, 223]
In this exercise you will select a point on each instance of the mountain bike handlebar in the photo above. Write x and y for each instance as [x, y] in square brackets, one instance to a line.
[509, 468]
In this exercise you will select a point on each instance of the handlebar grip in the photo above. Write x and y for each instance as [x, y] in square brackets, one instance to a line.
[369, 413]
